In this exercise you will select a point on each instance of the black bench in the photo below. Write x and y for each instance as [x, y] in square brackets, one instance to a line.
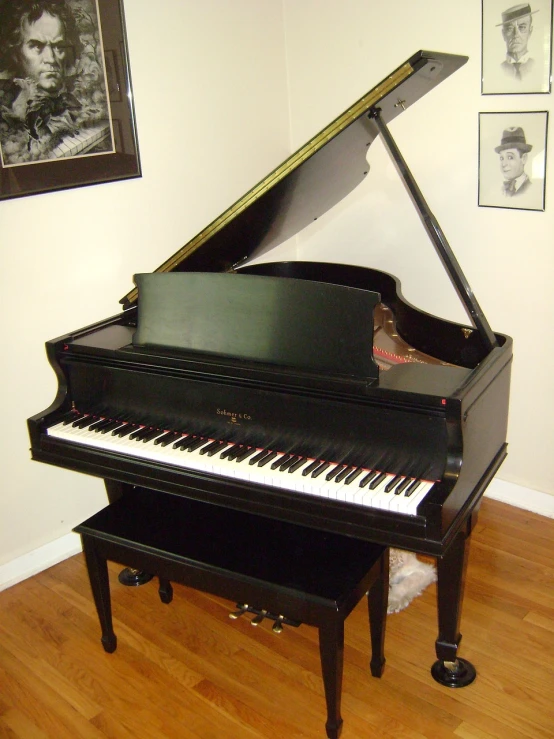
[292, 573]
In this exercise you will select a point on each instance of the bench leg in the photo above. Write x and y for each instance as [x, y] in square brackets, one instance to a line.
[98, 575]
[377, 602]
[331, 649]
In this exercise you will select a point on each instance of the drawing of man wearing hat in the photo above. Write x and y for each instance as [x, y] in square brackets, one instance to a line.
[513, 152]
[517, 27]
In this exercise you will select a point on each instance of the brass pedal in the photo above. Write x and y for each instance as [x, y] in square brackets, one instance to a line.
[242, 608]
[257, 620]
[261, 614]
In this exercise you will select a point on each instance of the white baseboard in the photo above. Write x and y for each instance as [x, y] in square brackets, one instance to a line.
[521, 497]
[50, 554]
[38, 560]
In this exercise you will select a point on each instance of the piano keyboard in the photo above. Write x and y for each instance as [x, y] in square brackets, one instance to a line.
[321, 478]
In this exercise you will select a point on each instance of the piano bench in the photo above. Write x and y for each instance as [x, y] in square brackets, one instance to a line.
[300, 574]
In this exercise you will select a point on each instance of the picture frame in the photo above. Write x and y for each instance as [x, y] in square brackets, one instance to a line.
[73, 125]
[512, 159]
[516, 47]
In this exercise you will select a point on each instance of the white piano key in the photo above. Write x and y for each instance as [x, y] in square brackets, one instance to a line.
[292, 481]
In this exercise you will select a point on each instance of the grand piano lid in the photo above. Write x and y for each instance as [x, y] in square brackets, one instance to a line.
[313, 179]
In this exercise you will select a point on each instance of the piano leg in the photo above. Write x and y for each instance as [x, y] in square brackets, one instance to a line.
[127, 576]
[331, 650]
[449, 669]
[97, 568]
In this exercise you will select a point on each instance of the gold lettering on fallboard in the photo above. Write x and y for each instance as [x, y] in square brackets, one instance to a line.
[233, 416]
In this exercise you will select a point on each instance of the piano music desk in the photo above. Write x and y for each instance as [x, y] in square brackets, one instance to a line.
[299, 573]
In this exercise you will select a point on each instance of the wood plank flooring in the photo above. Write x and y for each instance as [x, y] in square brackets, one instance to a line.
[186, 671]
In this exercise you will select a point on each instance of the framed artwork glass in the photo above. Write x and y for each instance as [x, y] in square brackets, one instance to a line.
[516, 47]
[512, 159]
[66, 105]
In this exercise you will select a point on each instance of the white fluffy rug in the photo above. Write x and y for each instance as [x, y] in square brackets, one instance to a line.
[408, 578]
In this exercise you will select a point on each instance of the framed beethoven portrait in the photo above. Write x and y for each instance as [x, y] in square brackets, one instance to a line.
[512, 159]
[516, 51]
[66, 112]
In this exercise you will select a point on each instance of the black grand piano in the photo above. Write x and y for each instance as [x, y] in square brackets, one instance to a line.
[303, 392]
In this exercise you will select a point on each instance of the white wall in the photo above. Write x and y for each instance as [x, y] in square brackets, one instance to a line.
[212, 116]
[336, 52]
[212, 105]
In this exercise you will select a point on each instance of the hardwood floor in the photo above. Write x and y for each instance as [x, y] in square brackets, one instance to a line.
[185, 671]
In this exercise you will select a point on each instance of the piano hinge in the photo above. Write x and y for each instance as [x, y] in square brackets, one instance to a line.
[237, 264]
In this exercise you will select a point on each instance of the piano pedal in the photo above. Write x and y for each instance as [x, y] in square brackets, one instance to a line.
[241, 609]
[259, 618]
[260, 614]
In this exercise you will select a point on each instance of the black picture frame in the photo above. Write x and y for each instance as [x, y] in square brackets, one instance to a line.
[101, 148]
[516, 47]
[512, 159]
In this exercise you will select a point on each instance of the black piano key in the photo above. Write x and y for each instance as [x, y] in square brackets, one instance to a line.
[245, 453]
[98, 424]
[69, 417]
[227, 452]
[221, 446]
[392, 483]
[183, 443]
[83, 422]
[259, 456]
[281, 460]
[353, 475]
[267, 459]
[334, 472]
[344, 473]
[296, 465]
[78, 419]
[138, 433]
[377, 481]
[167, 438]
[311, 467]
[403, 485]
[368, 478]
[211, 447]
[412, 488]
[319, 470]
[235, 452]
[194, 445]
[124, 430]
[287, 462]
[110, 426]
[151, 435]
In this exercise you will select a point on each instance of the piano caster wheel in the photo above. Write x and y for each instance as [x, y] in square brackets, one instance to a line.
[456, 674]
[130, 576]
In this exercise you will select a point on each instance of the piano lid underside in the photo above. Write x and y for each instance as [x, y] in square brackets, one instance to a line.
[310, 181]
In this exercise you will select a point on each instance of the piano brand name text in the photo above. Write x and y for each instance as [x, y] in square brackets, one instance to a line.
[233, 415]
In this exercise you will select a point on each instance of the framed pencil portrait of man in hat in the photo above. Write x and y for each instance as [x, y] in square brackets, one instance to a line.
[512, 160]
[516, 51]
